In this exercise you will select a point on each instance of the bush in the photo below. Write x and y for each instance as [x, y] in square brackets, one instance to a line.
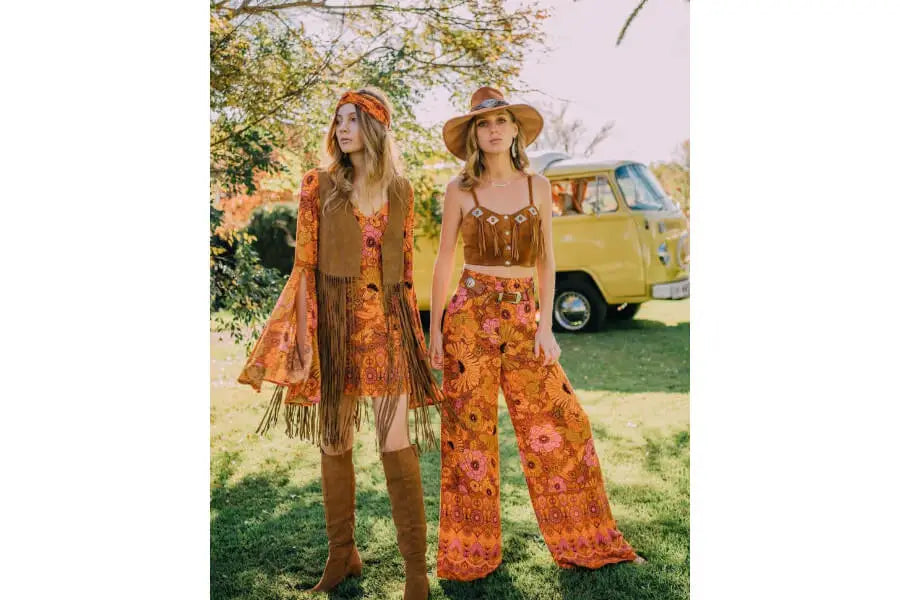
[242, 290]
[273, 227]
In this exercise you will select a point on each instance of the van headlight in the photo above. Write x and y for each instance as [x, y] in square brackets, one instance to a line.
[663, 253]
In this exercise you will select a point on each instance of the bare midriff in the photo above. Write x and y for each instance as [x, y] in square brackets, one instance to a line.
[515, 272]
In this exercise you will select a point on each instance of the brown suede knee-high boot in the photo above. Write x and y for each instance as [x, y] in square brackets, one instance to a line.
[339, 494]
[404, 484]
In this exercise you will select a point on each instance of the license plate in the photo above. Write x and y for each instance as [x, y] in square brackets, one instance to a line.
[672, 291]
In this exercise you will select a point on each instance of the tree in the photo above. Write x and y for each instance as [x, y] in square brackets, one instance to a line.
[276, 68]
[630, 19]
[675, 176]
[572, 137]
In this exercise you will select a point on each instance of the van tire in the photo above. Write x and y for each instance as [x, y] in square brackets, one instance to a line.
[577, 290]
[626, 314]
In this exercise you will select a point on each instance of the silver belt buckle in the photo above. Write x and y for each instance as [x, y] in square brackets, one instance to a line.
[469, 282]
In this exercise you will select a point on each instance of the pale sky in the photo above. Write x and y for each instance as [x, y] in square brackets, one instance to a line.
[643, 85]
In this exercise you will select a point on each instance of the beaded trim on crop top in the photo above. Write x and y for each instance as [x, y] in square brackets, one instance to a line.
[517, 239]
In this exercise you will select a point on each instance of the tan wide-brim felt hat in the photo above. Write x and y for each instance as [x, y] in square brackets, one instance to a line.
[485, 100]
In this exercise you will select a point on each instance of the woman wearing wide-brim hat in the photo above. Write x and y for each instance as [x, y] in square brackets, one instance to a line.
[490, 340]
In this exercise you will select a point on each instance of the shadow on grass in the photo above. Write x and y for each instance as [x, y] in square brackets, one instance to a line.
[268, 541]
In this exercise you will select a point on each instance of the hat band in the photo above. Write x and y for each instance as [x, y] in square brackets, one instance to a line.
[490, 103]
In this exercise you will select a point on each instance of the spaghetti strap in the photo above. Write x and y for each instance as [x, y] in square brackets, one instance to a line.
[475, 196]
[530, 194]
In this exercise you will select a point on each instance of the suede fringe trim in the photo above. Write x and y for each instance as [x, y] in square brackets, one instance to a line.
[303, 420]
[270, 417]
[330, 422]
[411, 367]
[537, 240]
[536, 237]
[515, 241]
[481, 243]
[335, 302]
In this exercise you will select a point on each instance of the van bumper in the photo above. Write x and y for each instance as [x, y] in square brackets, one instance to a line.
[673, 290]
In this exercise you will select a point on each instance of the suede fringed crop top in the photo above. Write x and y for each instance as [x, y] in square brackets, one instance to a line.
[492, 239]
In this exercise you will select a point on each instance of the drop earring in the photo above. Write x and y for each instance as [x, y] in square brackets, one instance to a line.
[515, 147]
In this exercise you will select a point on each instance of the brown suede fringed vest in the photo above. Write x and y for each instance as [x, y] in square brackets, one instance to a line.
[340, 247]
[492, 239]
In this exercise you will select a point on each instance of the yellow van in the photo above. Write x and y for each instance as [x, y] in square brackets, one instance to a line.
[618, 239]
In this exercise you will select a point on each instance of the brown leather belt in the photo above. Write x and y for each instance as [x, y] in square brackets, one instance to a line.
[478, 288]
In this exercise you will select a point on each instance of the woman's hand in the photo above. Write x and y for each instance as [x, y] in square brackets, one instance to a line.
[436, 350]
[301, 361]
[544, 341]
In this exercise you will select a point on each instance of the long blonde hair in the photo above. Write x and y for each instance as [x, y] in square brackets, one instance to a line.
[474, 168]
[383, 163]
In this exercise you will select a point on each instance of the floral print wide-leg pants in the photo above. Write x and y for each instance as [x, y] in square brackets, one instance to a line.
[489, 344]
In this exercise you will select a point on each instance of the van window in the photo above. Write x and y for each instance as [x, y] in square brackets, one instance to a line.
[599, 197]
[582, 196]
[563, 195]
[640, 189]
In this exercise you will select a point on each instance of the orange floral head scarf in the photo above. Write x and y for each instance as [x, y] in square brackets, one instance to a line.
[368, 104]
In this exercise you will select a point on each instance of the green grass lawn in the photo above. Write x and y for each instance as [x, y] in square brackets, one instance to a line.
[267, 523]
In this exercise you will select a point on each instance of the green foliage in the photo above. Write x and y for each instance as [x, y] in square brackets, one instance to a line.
[675, 177]
[276, 68]
[273, 228]
[240, 288]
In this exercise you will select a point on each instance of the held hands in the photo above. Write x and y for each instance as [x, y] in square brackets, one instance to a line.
[544, 341]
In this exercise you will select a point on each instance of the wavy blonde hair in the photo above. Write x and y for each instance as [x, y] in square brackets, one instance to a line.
[474, 168]
[383, 163]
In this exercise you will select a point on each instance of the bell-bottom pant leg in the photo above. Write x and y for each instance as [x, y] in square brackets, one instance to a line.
[558, 456]
[469, 536]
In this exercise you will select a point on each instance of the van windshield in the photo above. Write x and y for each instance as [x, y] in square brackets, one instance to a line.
[641, 189]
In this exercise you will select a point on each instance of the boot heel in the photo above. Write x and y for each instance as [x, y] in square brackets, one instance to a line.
[355, 565]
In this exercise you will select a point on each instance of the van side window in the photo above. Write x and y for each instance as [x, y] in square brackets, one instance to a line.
[582, 196]
[599, 197]
[563, 195]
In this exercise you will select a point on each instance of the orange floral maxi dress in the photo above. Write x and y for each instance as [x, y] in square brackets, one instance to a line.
[489, 344]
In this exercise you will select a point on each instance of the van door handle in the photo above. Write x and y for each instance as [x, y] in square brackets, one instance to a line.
[646, 223]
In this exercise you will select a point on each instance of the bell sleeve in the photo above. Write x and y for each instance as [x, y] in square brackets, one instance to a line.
[275, 356]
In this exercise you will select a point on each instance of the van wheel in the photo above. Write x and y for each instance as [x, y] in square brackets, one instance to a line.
[577, 306]
[626, 314]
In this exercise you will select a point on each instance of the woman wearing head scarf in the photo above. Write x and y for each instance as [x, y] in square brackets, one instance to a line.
[490, 340]
[346, 330]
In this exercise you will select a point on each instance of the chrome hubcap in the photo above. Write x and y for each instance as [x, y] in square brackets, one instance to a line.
[572, 310]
